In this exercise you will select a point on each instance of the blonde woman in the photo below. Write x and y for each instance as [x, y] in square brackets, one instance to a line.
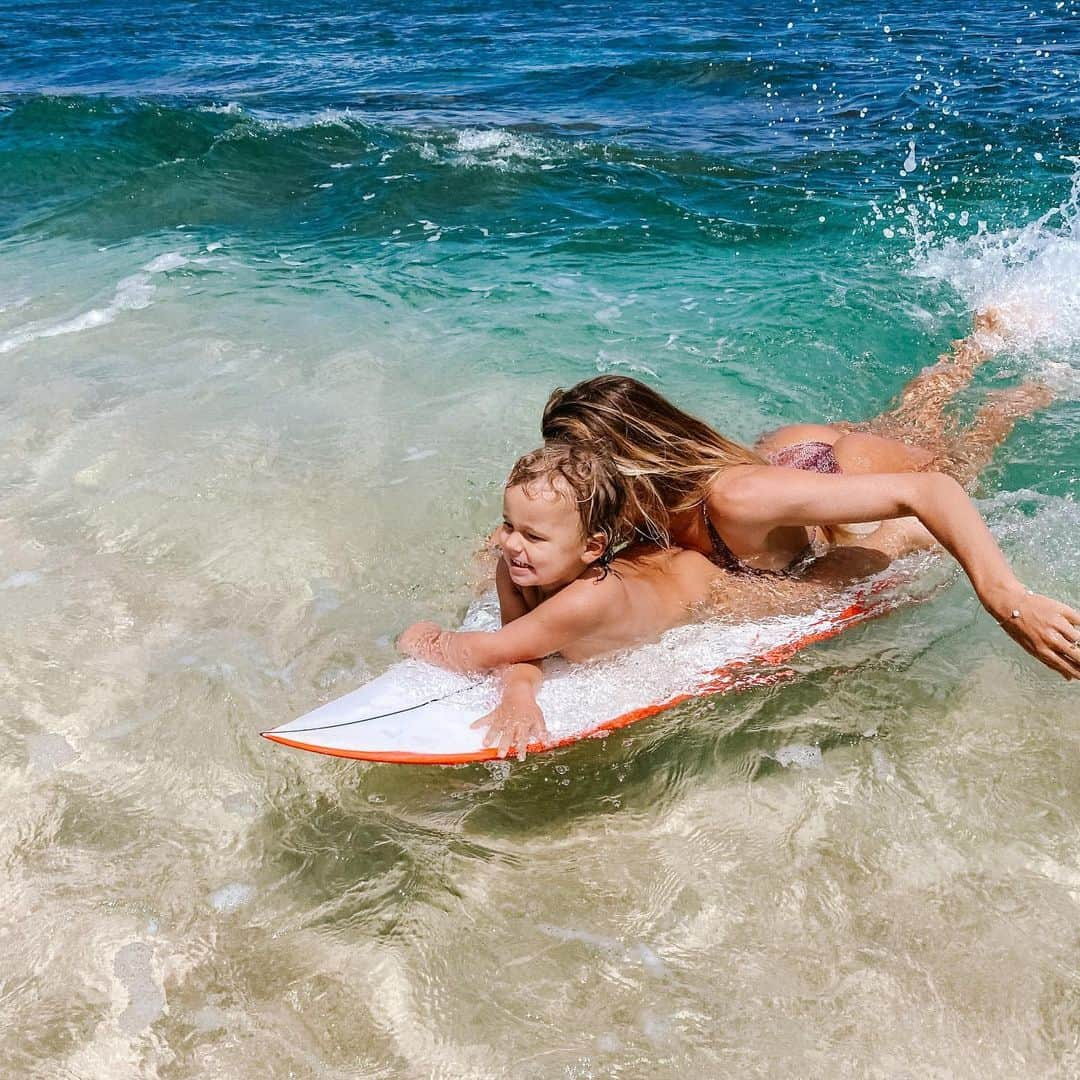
[765, 512]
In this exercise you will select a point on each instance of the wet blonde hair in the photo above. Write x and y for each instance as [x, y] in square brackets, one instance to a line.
[587, 478]
[667, 458]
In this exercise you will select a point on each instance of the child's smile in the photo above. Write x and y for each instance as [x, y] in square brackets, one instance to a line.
[541, 538]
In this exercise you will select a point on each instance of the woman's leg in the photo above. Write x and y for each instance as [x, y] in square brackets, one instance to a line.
[973, 448]
[919, 412]
[969, 453]
[885, 443]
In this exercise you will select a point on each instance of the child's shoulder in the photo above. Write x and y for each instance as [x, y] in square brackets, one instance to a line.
[594, 592]
[596, 582]
[651, 561]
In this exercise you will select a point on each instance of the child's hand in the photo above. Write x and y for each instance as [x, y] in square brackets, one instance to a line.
[421, 641]
[513, 724]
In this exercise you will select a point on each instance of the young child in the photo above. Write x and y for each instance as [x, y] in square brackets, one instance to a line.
[563, 589]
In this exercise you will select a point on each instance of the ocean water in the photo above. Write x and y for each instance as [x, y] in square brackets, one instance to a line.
[283, 289]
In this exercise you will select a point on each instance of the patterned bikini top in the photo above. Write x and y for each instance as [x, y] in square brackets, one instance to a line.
[808, 456]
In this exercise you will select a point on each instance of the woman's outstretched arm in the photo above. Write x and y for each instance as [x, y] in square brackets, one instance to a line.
[765, 496]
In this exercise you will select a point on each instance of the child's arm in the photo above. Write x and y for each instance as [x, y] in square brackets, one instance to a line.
[550, 627]
[517, 721]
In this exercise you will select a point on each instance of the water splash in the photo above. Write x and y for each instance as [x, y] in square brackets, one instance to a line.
[1030, 274]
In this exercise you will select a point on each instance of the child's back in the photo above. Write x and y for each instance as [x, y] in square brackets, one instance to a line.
[646, 591]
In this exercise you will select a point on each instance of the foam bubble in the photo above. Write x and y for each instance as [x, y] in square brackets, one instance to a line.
[133, 966]
[230, 897]
[171, 260]
[47, 752]
[800, 756]
[20, 579]
[210, 1018]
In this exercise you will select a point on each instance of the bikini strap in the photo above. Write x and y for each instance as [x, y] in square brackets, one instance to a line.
[726, 559]
[722, 555]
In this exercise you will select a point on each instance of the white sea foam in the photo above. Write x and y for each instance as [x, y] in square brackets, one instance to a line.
[322, 118]
[495, 139]
[171, 260]
[131, 294]
[47, 751]
[607, 361]
[134, 968]
[230, 108]
[232, 896]
[493, 147]
[1030, 275]
[632, 952]
[20, 579]
[800, 756]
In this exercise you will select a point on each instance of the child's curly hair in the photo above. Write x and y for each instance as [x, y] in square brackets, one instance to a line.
[589, 479]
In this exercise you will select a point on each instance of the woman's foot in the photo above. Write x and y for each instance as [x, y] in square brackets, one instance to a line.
[1018, 401]
[989, 322]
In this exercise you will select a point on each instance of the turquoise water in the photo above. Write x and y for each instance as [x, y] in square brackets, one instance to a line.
[282, 294]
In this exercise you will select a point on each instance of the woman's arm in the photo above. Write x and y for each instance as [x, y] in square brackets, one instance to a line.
[767, 496]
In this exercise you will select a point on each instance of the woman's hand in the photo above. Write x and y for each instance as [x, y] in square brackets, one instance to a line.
[1047, 629]
[514, 723]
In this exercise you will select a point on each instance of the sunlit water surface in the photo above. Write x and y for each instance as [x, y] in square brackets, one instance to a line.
[281, 297]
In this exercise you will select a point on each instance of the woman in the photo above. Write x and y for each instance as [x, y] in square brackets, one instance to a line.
[765, 512]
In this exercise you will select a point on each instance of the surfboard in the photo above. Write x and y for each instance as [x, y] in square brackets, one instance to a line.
[416, 714]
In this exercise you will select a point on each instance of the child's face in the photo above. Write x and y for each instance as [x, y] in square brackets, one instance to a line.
[541, 537]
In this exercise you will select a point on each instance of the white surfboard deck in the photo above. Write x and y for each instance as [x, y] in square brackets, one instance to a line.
[421, 715]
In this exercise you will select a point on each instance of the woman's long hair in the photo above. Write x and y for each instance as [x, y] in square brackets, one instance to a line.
[666, 457]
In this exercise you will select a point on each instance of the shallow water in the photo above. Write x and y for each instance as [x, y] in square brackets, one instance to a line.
[281, 297]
